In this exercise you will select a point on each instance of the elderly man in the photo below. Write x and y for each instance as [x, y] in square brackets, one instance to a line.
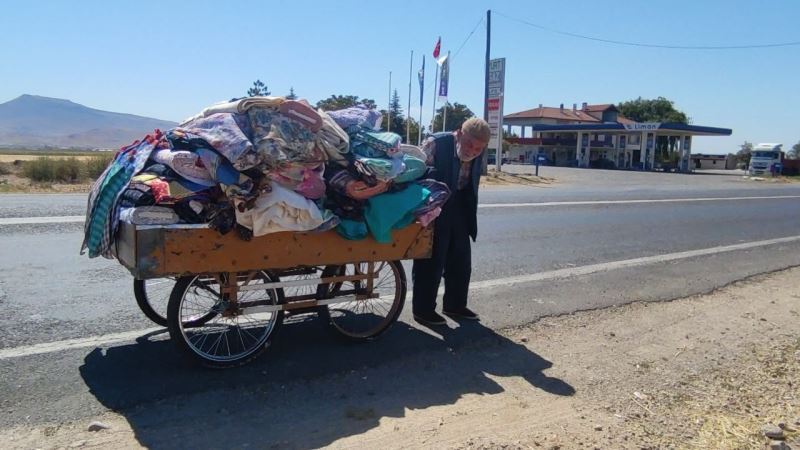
[455, 162]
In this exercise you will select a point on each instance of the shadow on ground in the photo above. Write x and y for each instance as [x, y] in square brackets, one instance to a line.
[308, 390]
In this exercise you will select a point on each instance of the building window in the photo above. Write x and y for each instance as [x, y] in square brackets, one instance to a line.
[714, 162]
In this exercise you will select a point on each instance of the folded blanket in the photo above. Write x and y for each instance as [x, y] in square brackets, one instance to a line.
[149, 215]
[357, 116]
[414, 168]
[237, 106]
[333, 140]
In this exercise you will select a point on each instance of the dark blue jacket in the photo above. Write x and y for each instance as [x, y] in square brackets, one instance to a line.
[446, 166]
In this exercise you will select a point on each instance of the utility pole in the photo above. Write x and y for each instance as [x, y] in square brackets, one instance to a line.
[485, 162]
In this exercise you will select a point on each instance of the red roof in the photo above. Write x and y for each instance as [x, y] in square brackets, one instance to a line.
[588, 114]
[547, 112]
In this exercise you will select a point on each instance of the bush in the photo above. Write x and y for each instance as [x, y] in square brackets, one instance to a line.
[39, 169]
[97, 164]
[5, 168]
[69, 170]
[46, 169]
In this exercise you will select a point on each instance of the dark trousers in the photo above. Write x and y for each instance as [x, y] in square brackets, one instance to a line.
[452, 258]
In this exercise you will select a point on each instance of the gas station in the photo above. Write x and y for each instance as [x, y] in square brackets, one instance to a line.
[597, 136]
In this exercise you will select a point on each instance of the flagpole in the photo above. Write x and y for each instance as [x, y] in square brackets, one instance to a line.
[389, 108]
[421, 93]
[408, 111]
[435, 94]
[446, 100]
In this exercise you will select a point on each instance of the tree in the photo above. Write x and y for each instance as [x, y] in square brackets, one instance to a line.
[292, 95]
[743, 155]
[335, 102]
[457, 114]
[398, 121]
[258, 89]
[658, 110]
[794, 153]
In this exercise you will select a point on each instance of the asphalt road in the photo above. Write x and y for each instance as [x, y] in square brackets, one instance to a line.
[530, 260]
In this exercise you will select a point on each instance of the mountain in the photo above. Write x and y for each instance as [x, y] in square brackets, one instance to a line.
[35, 121]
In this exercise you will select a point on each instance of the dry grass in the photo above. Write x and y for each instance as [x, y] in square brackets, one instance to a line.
[502, 178]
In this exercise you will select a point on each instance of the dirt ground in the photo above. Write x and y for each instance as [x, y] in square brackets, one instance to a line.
[701, 372]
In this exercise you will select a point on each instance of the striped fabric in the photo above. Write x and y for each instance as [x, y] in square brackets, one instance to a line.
[102, 209]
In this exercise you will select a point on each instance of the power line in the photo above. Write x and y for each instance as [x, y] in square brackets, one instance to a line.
[468, 36]
[641, 44]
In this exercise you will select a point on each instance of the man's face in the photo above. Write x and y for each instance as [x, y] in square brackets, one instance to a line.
[469, 147]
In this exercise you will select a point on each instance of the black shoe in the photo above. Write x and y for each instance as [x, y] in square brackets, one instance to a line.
[430, 319]
[463, 313]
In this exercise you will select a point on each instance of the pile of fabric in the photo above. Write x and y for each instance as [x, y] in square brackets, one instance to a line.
[262, 165]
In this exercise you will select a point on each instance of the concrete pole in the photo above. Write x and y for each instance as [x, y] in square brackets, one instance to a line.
[578, 149]
[682, 151]
[643, 147]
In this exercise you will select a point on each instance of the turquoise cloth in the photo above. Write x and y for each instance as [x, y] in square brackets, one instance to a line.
[353, 230]
[393, 210]
[373, 144]
[415, 168]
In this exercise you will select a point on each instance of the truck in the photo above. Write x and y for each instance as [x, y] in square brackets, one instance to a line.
[765, 158]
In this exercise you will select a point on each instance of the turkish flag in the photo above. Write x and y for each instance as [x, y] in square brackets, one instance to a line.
[438, 48]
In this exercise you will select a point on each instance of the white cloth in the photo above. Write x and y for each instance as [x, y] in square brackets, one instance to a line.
[186, 164]
[237, 106]
[149, 215]
[280, 210]
[413, 150]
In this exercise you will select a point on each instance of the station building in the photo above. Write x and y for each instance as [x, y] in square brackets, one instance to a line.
[596, 136]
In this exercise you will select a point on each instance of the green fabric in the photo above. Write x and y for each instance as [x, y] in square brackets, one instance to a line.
[415, 168]
[393, 210]
[353, 230]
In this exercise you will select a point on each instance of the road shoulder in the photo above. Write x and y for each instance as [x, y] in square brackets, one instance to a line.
[704, 371]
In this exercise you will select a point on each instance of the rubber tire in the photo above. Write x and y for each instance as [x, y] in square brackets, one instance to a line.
[325, 291]
[140, 293]
[177, 337]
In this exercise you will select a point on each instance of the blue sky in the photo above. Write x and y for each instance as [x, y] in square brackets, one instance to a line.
[169, 59]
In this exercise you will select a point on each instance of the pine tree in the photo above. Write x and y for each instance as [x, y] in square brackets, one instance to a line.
[398, 120]
[258, 89]
[291, 95]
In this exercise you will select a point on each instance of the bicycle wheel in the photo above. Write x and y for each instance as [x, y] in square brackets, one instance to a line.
[152, 296]
[231, 337]
[361, 313]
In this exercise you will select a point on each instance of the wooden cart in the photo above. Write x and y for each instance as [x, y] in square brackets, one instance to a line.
[230, 295]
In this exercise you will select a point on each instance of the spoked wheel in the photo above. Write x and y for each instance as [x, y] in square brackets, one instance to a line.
[152, 296]
[234, 335]
[364, 308]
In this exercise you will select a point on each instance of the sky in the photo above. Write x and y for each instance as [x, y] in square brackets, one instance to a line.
[170, 59]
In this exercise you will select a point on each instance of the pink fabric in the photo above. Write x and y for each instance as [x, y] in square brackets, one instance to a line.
[305, 179]
[429, 216]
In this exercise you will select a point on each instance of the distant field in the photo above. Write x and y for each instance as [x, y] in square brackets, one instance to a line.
[11, 155]
[37, 153]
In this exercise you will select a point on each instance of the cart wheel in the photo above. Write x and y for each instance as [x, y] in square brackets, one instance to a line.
[362, 319]
[152, 296]
[231, 337]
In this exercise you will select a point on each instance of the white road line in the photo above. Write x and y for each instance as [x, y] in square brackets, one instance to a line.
[623, 202]
[75, 219]
[38, 220]
[105, 340]
[69, 344]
